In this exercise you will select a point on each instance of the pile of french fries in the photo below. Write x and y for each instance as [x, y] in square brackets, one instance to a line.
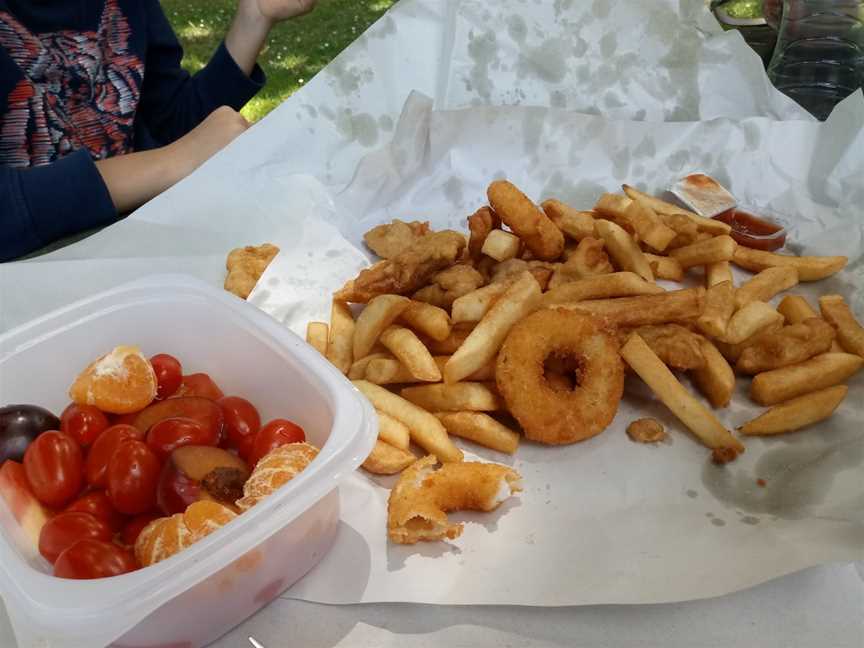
[429, 370]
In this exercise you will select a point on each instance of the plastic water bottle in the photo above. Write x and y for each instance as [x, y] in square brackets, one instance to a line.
[819, 56]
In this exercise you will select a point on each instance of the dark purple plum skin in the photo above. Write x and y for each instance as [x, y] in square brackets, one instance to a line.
[19, 425]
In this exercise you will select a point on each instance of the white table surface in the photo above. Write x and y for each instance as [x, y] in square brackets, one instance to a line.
[324, 130]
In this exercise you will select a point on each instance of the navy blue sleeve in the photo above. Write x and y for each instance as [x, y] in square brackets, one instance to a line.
[41, 204]
[172, 101]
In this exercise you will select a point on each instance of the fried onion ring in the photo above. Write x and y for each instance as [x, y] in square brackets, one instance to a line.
[418, 505]
[548, 413]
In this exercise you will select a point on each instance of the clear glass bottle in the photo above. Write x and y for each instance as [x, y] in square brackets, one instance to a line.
[819, 56]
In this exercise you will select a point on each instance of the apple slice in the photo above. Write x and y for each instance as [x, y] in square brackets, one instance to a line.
[30, 513]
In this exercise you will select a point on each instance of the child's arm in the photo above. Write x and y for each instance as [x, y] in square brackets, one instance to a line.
[39, 205]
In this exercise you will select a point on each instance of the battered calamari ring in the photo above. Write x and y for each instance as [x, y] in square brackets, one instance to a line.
[418, 503]
[548, 413]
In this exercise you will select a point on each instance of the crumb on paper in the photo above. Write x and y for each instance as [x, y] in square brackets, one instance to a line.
[646, 430]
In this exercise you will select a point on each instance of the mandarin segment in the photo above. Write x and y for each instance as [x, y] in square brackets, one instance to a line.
[166, 536]
[120, 382]
[206, 516]
[275, 469]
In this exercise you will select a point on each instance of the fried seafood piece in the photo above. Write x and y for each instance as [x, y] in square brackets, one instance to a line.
[275, 469]
[246, 265]
[418, 505]
[508, 271]
[407, 271]
[546, 412]
[390, 239]
[588, 260]
[449, 285]
[790, 344]
[527, 220]
[480, 223]
[678, 347]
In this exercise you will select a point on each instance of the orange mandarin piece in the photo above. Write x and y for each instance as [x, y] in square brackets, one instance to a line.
[119, 382]
[166, 536]
[276, 468]
[206, 516]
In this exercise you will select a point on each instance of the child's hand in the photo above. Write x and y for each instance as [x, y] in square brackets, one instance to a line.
[277, 10]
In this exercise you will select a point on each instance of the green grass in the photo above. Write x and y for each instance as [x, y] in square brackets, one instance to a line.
[296, 51]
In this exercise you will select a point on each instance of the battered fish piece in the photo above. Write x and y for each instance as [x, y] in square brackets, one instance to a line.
[407, 271]
[480, 223]
[418, 504]
[677, 346]
[509, 270]
[789, 345]
[390, 239]
[450, 284]
[527, 220]
[587, 260]
[246, 265]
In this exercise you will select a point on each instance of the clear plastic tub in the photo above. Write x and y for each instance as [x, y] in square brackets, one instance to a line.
[202, 592]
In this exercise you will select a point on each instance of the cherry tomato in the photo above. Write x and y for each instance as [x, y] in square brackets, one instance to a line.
[97, 504]
[169, 374]
[277, 432]
[84, 423]
[136, 525]
[54, 467]
[94, 559]
[124, 419]
[199, 384]
[242, 422]
[133, 473]
[103, 449]
[63, 530]
[175, 432]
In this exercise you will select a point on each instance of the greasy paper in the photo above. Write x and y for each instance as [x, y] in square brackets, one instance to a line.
[608, 520]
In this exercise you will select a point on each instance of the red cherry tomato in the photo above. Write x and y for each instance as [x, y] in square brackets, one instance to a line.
[199, 384]
[136, 525]
[97, 504]
[242, 422]
[63, 530]
[175, 432]
[123, 419]
[54, 467]
[277, 432]
[94, 559]
[169, 374]
[84, 423]
[103, 449]
[133, 473]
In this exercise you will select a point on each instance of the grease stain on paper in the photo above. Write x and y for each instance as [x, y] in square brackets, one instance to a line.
[483, 50]
[516, 28]
[547, 61]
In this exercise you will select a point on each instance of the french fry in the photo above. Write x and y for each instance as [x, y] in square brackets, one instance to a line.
[615, 284]
[429, 320]
[718, 273]
[647, 224]
[623, 249]
[826, 370]
[388, 371]
[316, 335]
[456, 397]
[719, 306]
[797, 413]
[458, 334]
[473, 306]
[709, 225]
[682, 403]
[480, 428]
[358, 367]
[613, 207]
[810, 268]
[665, 267]
[485, 373]
[411, 352]
[426, 430]
[521, 298]
[749, 320]
[686, 230]
[732, 352]
[574, 223]
[379, 313]
[796, 309]
[766, 284]
[501, 245]
[711, 250]
[386, 459]
[672, 306]
[393, 432]
[850, 333]
[715, 379]
[341, 342]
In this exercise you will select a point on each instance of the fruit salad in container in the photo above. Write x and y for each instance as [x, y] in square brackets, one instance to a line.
[143, 462]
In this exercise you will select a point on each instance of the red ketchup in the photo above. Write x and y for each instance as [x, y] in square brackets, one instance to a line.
[752, 231]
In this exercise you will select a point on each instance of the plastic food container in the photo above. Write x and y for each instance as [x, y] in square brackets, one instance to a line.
[200, 593]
